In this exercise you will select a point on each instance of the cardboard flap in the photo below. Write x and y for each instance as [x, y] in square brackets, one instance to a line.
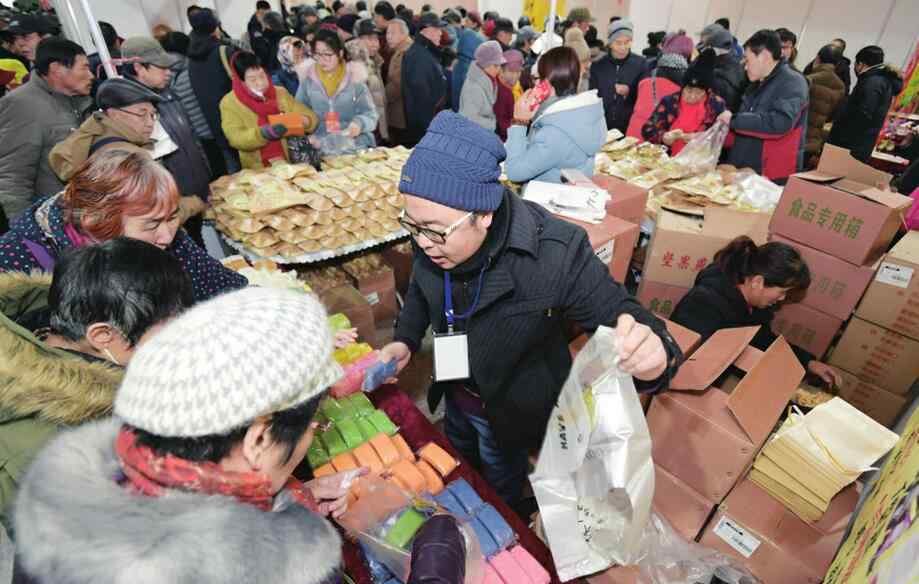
[687, 339]
[748, 359]
[728, 223]
[700, 370]
[894, 201]
[907, 249]
[759, 399]
[836, 163]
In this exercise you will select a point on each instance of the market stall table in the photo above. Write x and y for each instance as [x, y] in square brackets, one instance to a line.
[418, 431]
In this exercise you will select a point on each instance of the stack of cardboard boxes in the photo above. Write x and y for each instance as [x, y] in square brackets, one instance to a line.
[841, 223]
[879, 351]
[682, 245]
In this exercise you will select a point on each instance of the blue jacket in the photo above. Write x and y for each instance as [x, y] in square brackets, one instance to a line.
[286, 79]
[565, 133]
[352, 101]
[43, 223]
[469, 41]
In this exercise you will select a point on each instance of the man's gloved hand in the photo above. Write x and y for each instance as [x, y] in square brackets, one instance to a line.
[273, 131]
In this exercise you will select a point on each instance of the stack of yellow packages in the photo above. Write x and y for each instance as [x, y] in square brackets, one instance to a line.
[812, 457]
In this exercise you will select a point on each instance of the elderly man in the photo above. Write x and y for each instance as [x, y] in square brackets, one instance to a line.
[399, 42]
[37, 116]
[424, 82]
[616, 76]
[498, 280]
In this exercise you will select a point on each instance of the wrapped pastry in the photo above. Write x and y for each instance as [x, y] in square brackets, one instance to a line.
[264, 264]
[289, 251]
[283, 170]
[391, 225]
[329, 242]
[366, 207]
[339, 214]
[322, 218]
[310, 246]
[337, 197]
[279, 223]
[294, 237]
[319, 202]
[315, 231]
[235, 262]
[377, 230]
[396, 200]
[298, 216]
[265, 252]
[306, 183]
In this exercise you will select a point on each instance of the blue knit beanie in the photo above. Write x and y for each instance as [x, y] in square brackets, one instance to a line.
[456, 164]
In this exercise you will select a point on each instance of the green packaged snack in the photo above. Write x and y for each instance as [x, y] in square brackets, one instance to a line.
[382, 423]
[351, 433]
[316, 455]
[339, 322]
[360, 404]
[368, 430]
[333, 410]
[333, 443]
[405, 528]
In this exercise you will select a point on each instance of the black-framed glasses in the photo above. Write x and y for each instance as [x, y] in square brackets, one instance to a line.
[152, 116]
[434, 236]
[298, 44]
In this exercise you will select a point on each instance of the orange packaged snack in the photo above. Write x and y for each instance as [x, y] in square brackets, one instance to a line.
[366, 456]
[405, 453]
[438, 458]
[385, 449]
[410, 475]
[292, 121]
[324, 470]
[343, 462]
[435, 484]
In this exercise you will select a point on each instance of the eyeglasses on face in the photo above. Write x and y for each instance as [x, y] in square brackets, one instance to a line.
[434, 236]
[152, 115]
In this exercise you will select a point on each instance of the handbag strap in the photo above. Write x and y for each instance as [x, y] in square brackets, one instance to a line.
[226, 63]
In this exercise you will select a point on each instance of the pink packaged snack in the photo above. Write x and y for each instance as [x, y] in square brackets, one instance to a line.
[491, 577]
[535, 570]
[508, 568]
[354, 375]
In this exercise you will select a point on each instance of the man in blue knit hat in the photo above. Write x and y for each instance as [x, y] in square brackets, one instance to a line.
[498, 280]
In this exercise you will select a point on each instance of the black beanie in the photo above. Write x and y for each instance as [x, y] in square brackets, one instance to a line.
[702, 71]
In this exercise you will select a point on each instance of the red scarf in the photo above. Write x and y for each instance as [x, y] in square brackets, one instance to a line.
[263, 107]
[691, 120]
[153, 475]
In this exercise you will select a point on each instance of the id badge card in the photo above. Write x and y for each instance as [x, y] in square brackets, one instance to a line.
[451, 356]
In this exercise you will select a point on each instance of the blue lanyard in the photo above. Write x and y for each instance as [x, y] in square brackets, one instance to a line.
[448, 300]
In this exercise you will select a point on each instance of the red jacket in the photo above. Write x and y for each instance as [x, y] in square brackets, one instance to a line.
[504, 109]
[649, 88]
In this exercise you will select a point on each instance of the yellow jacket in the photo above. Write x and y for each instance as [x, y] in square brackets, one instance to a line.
[240, 125]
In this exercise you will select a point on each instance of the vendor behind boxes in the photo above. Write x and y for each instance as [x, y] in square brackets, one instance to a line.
[743, 287]
[497, 278]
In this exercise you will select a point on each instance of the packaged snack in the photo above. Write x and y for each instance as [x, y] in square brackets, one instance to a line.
[410, 475]
[402, 446]
[385, 449]
[366, 456]
[383, 423]
[439, 459]
[405, 528]
[434, 483]
[344, 461]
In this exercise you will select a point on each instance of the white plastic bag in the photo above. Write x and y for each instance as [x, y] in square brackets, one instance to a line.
[757, 191]
[701, 154]
[595, 479]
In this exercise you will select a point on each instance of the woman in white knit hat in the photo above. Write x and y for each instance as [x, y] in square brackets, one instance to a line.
[191, 481]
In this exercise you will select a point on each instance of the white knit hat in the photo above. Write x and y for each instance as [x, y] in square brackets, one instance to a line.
[228, 361]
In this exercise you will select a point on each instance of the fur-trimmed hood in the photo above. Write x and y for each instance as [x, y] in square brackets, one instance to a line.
[76, 524]
[38, 380]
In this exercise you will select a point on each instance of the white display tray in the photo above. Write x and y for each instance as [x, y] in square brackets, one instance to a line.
[318, 256]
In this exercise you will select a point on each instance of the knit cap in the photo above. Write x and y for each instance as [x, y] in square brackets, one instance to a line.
[621, 28]
[678, 43]
[489, 53]
[513, 60]
[456, 164]
[672, 61]
[228, 361]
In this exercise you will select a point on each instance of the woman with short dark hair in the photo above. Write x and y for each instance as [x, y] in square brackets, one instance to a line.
[115, 193]
[103, 302]
[566, 128]
[744, 286]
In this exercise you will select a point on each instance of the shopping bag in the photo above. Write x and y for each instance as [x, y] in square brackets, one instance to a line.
[701, 154]
[594, 479]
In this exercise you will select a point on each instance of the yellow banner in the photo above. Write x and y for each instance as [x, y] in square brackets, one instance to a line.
[538, 12]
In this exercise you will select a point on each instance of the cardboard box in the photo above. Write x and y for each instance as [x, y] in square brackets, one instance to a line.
[347, 300]
[661, 299]
[613, 240]
[878, 355]
[688, 340]
[892, 299]
[777, 546]
[685, 509]
[682, 244]
[838, 208]
[627, 201]
[707, 438]
[836, 285]
[806, 327]
[379, 288]
[400, 257]
[883, 407]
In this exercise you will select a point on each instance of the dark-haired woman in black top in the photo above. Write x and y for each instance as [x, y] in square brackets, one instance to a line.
[743, 286]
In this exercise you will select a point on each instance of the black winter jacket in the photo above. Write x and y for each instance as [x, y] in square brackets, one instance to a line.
[544, 277]
[605, 74]
[730, 80]
[424, 87]
[188, 164]
[714, 303]
[860, 121]
[209, 80]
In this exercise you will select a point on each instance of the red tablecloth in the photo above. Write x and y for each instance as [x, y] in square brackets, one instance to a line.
[418, 431]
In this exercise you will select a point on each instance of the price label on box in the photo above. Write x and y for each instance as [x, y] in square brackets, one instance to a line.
[737, 537]
[899, 276]
[605, 252]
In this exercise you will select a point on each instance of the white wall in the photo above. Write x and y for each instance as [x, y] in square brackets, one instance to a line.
[888, 23]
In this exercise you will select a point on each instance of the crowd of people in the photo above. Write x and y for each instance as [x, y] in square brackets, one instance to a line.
[109, 302]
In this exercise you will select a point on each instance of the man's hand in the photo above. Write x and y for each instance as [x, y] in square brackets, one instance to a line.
[826, 373]
[622, 90]
[331, 492]
[641, 352]
[725, 117]
[398, 352]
